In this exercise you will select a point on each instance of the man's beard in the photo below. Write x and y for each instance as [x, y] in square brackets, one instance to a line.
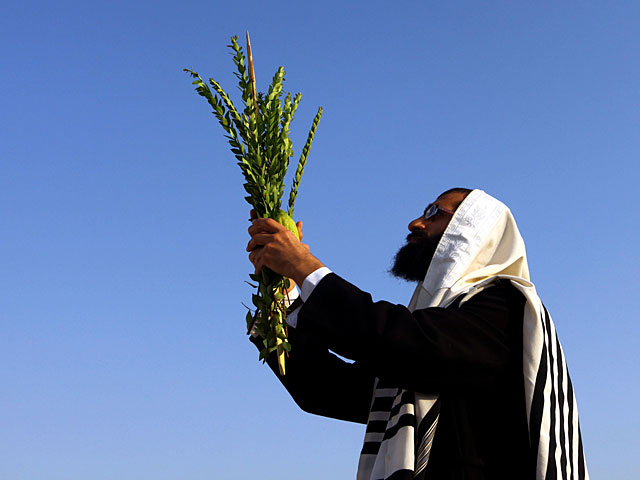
[413, 259]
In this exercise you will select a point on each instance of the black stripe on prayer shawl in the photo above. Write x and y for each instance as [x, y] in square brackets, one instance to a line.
[537, 407]
[406, 420]
[570, 433]
[551, 473]
[579, 454]
[581, 467]
[406, 398]
[370, 448]
[383, 404]
[576, 458]
[563, 414]
[376, 426]
[557, 443]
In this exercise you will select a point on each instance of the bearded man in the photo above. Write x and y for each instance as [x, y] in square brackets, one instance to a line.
[466, 382]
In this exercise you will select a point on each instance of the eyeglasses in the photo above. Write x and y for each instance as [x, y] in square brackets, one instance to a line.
[433, 209]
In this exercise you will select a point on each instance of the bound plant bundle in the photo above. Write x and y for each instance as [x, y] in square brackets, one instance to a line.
[258, 134]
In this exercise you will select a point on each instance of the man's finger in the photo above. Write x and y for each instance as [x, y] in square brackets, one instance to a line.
[259, 240]
[299, 225]
[258, 262]
[254, 258]
[268, 225]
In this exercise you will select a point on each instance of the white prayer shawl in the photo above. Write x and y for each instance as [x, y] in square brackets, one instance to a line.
[481, 244]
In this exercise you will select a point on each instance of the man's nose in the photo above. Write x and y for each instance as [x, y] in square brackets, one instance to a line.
[417, 224]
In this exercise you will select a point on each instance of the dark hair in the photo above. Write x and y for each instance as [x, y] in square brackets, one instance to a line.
[464, 191]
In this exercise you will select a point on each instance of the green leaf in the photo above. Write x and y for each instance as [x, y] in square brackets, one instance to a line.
[256, 300]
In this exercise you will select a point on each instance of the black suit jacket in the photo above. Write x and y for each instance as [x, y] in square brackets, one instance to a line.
[470, 355]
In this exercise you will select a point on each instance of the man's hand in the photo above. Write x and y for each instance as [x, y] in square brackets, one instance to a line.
[275, 247]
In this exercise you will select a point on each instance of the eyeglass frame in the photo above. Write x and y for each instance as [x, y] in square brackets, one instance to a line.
[437, 208]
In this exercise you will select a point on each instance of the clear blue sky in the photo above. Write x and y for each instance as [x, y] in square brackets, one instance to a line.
[122, 345]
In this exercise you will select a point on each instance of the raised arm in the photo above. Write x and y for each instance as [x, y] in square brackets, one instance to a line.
[428, 350]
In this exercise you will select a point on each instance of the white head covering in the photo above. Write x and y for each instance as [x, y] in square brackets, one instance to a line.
[481, 244]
